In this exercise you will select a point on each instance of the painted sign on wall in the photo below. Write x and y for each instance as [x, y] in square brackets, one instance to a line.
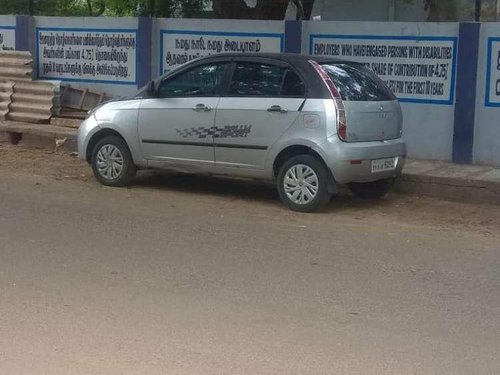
[87, 55]
[181, 46]
[7, 37]
[417, 69]
[493, 73]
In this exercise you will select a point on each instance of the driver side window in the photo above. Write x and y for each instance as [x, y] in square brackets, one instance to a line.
[205, 80]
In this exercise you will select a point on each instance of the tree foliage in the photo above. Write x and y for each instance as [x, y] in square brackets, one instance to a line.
[438, 10]
[158, 8]
[263, 9]
[443, 10]
[53, 7]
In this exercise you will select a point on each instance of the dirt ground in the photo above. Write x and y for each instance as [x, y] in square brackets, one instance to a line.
[42, 162]
[183, 274]
[410, 209]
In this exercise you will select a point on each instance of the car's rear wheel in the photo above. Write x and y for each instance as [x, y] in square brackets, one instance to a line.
[112, 162]
[303, 184]
[371, 190]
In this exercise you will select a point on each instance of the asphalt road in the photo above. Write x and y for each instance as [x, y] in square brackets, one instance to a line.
[187, 275]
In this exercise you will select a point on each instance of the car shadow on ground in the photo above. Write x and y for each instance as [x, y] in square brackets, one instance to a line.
[248, 190]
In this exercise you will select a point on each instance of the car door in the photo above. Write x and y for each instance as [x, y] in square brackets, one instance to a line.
[177, 125]
[262, 101]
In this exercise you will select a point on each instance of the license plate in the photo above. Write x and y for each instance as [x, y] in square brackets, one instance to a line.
[382, 165]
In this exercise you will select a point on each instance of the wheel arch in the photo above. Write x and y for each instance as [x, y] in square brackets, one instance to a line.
[97, 136]
[298, 149]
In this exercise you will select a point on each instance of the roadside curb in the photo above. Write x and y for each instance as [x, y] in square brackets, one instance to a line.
[39, 136]
[465, 183]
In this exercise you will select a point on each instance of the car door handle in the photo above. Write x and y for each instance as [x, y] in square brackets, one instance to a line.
[202, 107]
[277, 108]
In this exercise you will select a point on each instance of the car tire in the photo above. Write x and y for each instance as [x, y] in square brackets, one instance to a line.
[112, 162]
[303, 184]
[371, 190]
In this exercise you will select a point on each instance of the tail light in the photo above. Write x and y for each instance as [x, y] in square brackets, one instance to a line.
[337, 100]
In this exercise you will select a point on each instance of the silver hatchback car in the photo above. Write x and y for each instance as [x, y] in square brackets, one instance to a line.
[310, 124]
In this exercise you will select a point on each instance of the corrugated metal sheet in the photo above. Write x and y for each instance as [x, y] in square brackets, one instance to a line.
[6, 91]
[56, 109]
[32, 102]
[23, 99]
[16, 66]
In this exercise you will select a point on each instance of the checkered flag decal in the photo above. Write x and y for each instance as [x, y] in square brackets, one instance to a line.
[237, 131]
[201, 132]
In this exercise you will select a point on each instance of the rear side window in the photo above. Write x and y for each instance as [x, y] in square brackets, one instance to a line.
[358, 83]
[293, 86]
[254, 79]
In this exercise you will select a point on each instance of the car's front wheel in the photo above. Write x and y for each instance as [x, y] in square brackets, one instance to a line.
[371, 190]
[112, 162]
[303, 184]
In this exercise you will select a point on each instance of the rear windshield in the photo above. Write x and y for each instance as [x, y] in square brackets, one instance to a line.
[357, 83]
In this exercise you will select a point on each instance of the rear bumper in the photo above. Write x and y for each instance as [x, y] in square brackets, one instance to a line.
[340, 155]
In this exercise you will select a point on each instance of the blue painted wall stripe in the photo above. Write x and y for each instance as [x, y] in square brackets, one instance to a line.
[23, 33]
[293, 36]
[144, 51]
[465, 106]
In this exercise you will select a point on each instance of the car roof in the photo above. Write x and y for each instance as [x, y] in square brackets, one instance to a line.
[285, 57]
